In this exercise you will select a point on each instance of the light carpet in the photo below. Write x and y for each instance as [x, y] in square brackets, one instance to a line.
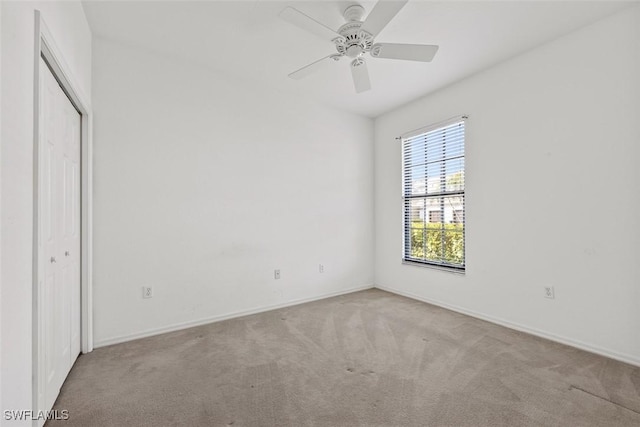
[368, 358]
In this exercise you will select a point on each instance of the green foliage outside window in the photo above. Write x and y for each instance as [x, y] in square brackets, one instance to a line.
[444, 242]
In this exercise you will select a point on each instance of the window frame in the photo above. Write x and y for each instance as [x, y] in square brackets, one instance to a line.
[449, 267]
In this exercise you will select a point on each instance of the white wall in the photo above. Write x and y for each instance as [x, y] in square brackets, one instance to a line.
[69, 27]
[204, 186]
[553, 143]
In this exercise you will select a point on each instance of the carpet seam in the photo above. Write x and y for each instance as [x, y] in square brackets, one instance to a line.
[573, 387]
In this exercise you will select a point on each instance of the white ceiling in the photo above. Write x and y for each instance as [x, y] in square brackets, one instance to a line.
[247, 40]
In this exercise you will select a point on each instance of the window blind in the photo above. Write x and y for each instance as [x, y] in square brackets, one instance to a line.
[433, 195]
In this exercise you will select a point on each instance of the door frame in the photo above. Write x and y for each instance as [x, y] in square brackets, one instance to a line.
[46, 48]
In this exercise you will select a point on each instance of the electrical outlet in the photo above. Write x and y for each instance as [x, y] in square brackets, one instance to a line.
[548, 292]
[147, 292]
[276, 274]
[321, 268]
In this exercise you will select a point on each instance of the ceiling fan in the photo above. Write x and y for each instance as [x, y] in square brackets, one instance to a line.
[356, 38]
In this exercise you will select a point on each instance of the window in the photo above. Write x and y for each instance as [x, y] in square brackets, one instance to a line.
[458, 216]
[433, 195]
[435, 216]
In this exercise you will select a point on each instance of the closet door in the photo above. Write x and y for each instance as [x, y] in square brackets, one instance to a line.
[70, 238]
[60, 232]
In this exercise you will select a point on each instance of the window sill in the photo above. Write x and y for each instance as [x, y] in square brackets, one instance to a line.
[458, 271]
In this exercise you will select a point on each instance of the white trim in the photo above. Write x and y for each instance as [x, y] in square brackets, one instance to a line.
[458, 271]
[46, 47]
[221, 317]
[622, 357]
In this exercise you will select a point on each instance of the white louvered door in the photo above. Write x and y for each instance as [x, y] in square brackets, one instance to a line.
[60, 231]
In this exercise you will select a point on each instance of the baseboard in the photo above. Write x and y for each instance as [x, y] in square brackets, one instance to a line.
[626, 358]
[184, 325]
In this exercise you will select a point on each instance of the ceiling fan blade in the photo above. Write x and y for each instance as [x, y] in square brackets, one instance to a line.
[311, 68]
[360, 75]
[382, 13]
[409, 52]
[307, 23]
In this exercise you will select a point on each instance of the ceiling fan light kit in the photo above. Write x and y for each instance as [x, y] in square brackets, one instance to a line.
[355, 38]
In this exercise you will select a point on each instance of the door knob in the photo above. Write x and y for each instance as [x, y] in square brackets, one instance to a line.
[53, 259]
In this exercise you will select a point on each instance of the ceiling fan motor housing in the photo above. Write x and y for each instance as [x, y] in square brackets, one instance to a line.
[354, 42]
